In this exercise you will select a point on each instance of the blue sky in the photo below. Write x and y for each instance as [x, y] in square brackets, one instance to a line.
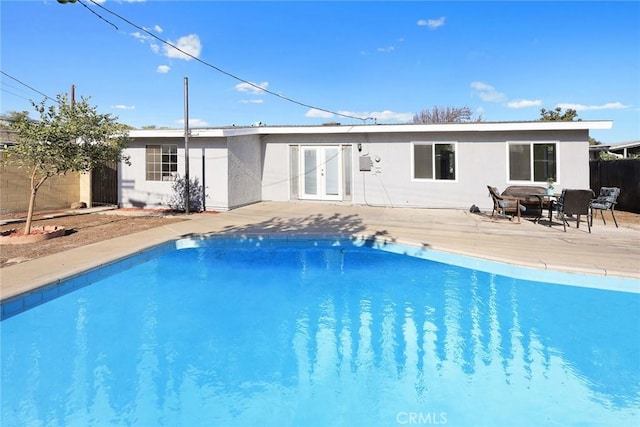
[386, 60]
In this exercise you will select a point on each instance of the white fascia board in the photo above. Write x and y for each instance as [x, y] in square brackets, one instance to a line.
[175, 133]
[360, 129]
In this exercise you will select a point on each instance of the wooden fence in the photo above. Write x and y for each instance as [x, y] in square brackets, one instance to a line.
[621, 173]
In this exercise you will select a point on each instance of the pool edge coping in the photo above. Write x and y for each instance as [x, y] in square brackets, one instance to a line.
[66, 283]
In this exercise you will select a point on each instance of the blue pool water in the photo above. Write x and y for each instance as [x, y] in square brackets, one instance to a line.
[320, 335]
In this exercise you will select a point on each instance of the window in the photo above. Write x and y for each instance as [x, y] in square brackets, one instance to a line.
[434, 161]
[162, 162]
[533, 162]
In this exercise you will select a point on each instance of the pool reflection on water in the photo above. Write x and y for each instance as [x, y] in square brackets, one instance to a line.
[321, 336]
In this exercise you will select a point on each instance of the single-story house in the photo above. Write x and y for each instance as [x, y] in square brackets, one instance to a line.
[405, 165]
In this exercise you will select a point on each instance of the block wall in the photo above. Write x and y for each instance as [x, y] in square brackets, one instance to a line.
[56, 193]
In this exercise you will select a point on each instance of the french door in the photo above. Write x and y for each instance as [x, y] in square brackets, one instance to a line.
[321, 172]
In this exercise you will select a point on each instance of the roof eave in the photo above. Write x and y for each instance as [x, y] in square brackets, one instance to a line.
[359, 129]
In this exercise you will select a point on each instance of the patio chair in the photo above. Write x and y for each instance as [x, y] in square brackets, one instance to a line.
[505, 204]
[606, 201]
[574, 202]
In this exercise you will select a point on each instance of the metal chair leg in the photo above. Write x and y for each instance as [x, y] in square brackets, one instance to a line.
[614, 218]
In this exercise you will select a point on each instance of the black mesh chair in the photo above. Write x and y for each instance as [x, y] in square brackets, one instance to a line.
[606, 201]
[574, 202]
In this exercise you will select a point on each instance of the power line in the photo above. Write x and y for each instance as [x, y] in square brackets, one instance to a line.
[218, 69]
[19, 89]
[99, 16]
[26, 85]
[14, 94]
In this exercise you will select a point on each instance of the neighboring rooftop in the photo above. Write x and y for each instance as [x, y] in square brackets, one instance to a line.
[622, 150]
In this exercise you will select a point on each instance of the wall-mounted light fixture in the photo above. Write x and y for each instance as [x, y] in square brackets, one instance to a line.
[359, 147]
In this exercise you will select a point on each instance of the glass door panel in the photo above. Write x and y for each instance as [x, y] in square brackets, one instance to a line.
[322, 173]
[310, 171]
[332, 171]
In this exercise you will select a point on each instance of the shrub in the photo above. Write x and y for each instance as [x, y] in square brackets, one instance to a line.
[196, 201]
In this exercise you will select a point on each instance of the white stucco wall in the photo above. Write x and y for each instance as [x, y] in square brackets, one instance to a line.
[482, 159]
[216, 166]
[275, 172]
[245, 170]
[136, 191]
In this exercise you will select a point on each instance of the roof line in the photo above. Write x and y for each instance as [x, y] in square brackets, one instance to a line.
[380, 128]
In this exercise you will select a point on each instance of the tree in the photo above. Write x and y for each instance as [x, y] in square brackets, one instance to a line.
[445, 115]
[593, 141]
[7, 119]
[66, 138]
[557, 115]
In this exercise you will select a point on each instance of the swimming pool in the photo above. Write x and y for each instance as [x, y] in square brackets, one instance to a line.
[318, 332]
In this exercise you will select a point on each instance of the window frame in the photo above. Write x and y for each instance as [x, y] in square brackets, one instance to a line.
[433, 145]
[532, 161]
[158, 174]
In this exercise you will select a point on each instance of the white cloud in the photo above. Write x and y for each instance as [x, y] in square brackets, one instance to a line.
[140, 36]
[431, 23]
[163, 69]
[189, 44]
[252, 101]
[386, 49]
[318, 113]
[253, 88]
[607, 106]
[389, 116]
[487, 92]
[524, 103]
[157, 28]
[194, 122]
[123, 107]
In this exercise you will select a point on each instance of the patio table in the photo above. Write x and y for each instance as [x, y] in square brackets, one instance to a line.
[532, 197]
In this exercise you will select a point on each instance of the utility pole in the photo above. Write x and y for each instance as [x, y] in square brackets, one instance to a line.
[187, 186]
[73, 96]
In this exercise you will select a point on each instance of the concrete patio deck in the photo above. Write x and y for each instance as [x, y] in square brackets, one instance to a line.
[607, 251]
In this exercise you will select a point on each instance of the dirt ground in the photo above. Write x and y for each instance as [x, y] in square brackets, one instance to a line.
[80, 230]
[91, 228]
